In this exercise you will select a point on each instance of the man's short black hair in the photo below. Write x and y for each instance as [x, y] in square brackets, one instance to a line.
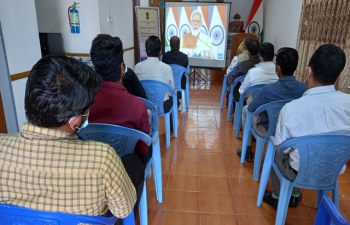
[253, 47]
[107, 55]
[327, 63]
[153, 46]
[175, 43]
[247, 41]
[267, 51]
[59, 88]
[287, 59]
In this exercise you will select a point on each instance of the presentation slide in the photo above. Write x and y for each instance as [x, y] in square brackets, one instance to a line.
[202, 29]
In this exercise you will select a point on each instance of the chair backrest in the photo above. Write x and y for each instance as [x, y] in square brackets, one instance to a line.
[122, 139]
[238, 79]
[327, 211]
[252, 89]
[153, 108]
[273, 110]
[15, 215]
[155, 91]
[178, 71]
[322, 157]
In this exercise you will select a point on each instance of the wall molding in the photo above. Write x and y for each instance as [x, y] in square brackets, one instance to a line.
[19, 76]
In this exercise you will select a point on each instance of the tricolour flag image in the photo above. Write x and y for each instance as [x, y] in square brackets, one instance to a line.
[172, 28]
[255, 20]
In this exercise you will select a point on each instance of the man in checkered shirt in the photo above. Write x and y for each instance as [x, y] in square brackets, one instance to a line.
[45, 166]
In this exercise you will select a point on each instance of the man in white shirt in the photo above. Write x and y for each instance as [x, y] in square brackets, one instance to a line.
[321, 109]
[154, 69]
[264, 72]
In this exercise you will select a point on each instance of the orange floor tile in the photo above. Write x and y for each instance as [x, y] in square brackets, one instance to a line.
[203, 180]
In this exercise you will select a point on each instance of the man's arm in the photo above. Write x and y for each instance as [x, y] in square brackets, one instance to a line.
[233, 64]
[245, 84]
[119, 190]
[169, 74]
[259, 100]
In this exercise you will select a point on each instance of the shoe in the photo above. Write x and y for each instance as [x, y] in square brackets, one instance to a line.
[294, 201]
[248, 156]
[268, 199]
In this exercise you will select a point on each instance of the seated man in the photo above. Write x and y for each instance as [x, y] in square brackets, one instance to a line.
[113, 104]
[285, 88]
[243, 67]
[46, 166]
[241, 57]
[153, 69]
[321, 109]
[174, 56]
[262, 73]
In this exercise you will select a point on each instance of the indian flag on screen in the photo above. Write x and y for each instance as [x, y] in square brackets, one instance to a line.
[172, 26]
[255, 20]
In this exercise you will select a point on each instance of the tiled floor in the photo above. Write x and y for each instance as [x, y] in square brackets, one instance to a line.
[203, 180]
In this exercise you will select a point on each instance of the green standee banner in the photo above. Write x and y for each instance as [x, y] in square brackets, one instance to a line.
[147, 19]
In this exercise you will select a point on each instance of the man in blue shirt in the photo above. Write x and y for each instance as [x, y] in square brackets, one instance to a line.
[286, 87]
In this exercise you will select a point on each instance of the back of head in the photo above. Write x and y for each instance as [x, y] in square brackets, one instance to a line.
[327, 63]
[59, 88]
[287, 59]
[253, 47]
[174, 43]
[107, 55]
[247, 41]
[267, 51]
[153, 46]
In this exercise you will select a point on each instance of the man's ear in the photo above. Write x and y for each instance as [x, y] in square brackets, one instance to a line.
[122, 70]
[278, 69]
[74, 122]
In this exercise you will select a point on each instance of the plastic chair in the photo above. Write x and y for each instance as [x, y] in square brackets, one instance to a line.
[237, 120]
[15, 215]
[156, 156]
[273, 110]
[225, 87]
[231, 98]
[327, 212]
[321, 159]
[178, 71]
[123, 140]
[156, 91]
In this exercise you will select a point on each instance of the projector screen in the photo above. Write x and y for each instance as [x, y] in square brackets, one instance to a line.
[202, 29]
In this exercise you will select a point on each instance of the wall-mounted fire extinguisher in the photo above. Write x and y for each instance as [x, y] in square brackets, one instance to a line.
[73, 17]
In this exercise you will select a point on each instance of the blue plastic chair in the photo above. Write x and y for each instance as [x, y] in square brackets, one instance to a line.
[231, 98]
[178, 71]
[237, 120]
[156, 156]
[321, 159]
[156, 91]
[273, 110]
[225, 87]
[327, 212]
[123, 140]
[15, 215]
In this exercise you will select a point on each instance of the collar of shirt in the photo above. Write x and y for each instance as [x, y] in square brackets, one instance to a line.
[320, 90]
[152, 59]
[116, 85]
[287, 78]
[266, 64]
[30, 131]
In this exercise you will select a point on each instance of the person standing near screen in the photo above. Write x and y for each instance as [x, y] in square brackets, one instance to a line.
[196, 44]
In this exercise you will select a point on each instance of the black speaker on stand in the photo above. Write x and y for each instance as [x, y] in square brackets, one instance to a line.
[51, 44]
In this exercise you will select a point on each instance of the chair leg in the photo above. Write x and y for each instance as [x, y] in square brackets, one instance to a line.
[148, 172]
[269, 159]
[157, 170]
[335, 195]
[246, 134]
[183, 104]
[223, 90]
[238, 128]
[229, 107]
[283, 201]
[187, 92]
[167, 130]
[259, 149]
[320, 194]
[143, 207]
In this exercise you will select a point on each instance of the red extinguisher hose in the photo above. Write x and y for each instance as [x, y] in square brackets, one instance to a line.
[70, 24]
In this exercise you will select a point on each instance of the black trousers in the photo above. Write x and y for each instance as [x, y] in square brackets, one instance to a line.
[146, 157]
[167, 106]
[136, 171]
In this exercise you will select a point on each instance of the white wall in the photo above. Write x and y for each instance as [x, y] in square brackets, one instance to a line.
[122, 25]
[20, 31]
[52, 17]
[281, 22]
